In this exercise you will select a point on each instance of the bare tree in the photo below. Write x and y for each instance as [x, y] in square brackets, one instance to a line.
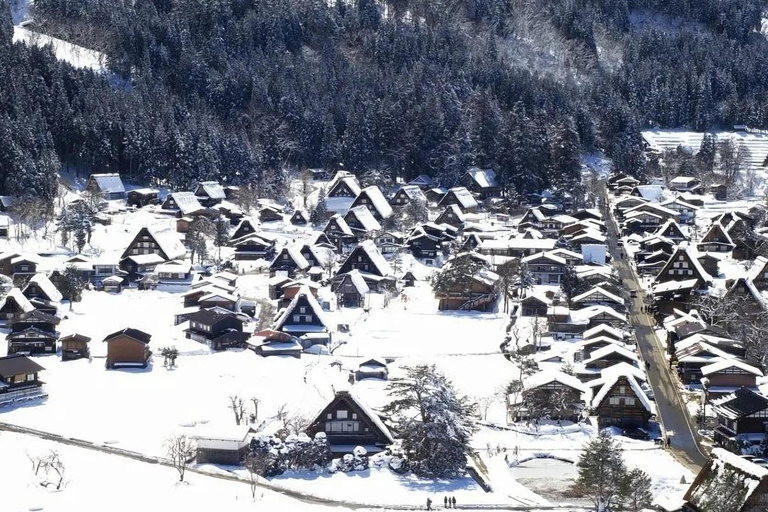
[306, 187]
[180, 449]
[237, 405]
[256, 465]
[51, 465]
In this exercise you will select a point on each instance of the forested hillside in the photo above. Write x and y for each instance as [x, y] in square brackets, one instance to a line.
[238, 90]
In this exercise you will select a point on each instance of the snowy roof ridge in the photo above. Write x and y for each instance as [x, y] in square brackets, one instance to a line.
[378, 200]
[728, 363]
[546, 376]
[303, 292]
[364, 217]
[20, 299]
[376, 257]
[611, 381]
[598, 289]
[611, 349]
[187, 202]
[46, 286]
[168, 242]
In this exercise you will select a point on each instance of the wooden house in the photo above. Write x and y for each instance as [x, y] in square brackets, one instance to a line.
[23, 267]
[109, 186]
[74, 346]
[685, 210]
[362, 222]
[684, 184]
[716, 239]
[33, 332]
[303, 315]
[220, 299]
[141, 197]
[367, 259]
[253, 247]
[347, 422]
[207, 324]
[372, 199]
[452, 215]
[128, 348]
[373, 368]
[653, 193]
[300, 218]
[681, 275]
[338, 231]
[424, 245]
[406, 194]
[42, 294]
[727, 374]
[288, 261]
[672, 231]
[182, 204]
[20, 380]
[719, 191]
[226, 446]
[610, 355]
[246, 227]
[728, 482]
[350, 289]
[270, 213]
[758, 273]
[165, 244]
[344, 185]
[741, 418]
[546, 268]
[622, 403]
[481, 295]
[598, 296]
[409, 280]
[13, 305]
[389, 242]
[461, 197]
[435, 195]
[209, 193]
[710, 263]
[481, 182]
[423, 181]
[535, 305]
[556, 395]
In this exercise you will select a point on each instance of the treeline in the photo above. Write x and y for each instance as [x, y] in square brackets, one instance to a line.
[237, 90]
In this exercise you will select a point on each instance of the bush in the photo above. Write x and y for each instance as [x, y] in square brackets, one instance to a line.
[297, 452]
[355, 461]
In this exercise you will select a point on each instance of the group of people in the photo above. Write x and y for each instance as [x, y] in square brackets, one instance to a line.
[447, 502]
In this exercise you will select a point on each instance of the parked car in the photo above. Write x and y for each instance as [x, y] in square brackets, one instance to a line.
[636, 433]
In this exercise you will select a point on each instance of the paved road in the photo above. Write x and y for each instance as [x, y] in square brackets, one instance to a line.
[672, 412]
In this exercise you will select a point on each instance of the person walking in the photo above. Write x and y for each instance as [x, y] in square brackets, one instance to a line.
[429, 504]
[453, 501]
[445, 501]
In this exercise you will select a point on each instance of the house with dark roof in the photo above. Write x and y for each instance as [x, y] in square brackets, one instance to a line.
[741, 419]
[680, 276]
[344, 184]
[348, 422]
[452, 215]
[33, 332]
[728, 482]
[621, 402]
[20, 380]
[367, 259]
[362, 222]
[481, 182]
[128, 348]
[42, 293]
[149, 248]
[13, 305]
[338, 231]
[270, 213]
[547, 394]
[672, 231]
[140, 197]
[288, 261]
[244, 228]
[299, 218]
[207, 324]
[716, 239]
[423, 181]
[74, 346]
[109, 186]
[350, 289]
[209, 193]
[758, 273]
[253, 247]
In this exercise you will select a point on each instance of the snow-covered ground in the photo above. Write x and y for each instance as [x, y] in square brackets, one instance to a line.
[78, 56]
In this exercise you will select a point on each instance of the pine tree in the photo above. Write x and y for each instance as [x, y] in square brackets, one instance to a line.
[570, 283]
[602, 474]
[457, 275]
[637, 490]
[319, 213]
[434, 422]
[72, 284]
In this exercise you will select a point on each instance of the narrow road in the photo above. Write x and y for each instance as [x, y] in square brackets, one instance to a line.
[672, 412]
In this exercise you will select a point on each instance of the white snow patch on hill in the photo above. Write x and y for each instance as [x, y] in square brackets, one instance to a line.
[78, 56]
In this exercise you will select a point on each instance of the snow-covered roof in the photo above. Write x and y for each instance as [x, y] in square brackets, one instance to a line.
[19, 298]
[294, 251]
[357, 281]
[485, 178]
[221, 437]
[108, 183]
[611, 349]
[212, 189]
[174, 267]
[46, 286]
[146, 259]
[730, 363]
[413, 192]
[671, 286]
[145, 191]
[341, 224]
[611, 381]
[32, 258]
[286, 313]
[545, 377]
[186, 202]
[757, 267]
[5, 221]
[378, 200]
[603, 328]
[650, 192]
[598, 290]
[544, 255]
[169, 243]
[464, 197]
[376, 258]
[364, 217]
[593, 311]
[543, 244]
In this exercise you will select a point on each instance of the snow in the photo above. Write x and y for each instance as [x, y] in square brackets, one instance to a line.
[78, 56]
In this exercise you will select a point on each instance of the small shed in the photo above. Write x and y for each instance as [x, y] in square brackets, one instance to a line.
[113, 284]
[300, 218]
[409, 279]
[74, 346]
[226, 446]
[373, 368]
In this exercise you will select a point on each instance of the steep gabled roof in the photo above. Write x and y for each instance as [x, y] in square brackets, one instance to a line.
[612, 349]
[719, 366]
[339, 221]
[108, 183]
[370, 249]
[463, 196]
[413, 192]
[379, 202]
[611, 380]
[740, 403]
[727, 474]
[46, 286]
[717, 233]
[598, 290]
[211, 189]
[484, 178]
[16, 295]
[370, 414]
[545, 377]
[294, 251]
[356, 278]
[758, 267]
[305, 293]
[136, 334]
[186, 202]
[364, 217]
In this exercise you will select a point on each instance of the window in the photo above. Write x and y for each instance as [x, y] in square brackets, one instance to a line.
[342, 414]
[622, 390]
[329, 416]
[302, 309]
[31, 376]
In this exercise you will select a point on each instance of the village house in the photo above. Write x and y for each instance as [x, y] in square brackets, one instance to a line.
[338, 231]
[288, 261]
[389, 242]
[684, 184]
[226, 446]
[5, 226]
[423, 245]
[350, 289]
[20, 380]
[362, 222]
[253, 247]
[686, 211]
[141, 197]
[372, 199]
[22, 267]
[174, 272]
[128, 348]
[246, 227]
[481, 182]
[679, 277]
[515, 247]
[33, 332]
[758, 273]
[406, 194]
[13, 305]
[652, 193]
[671, 230]
[716, 239]
[42, 294]
[182, 204]
[368, 260]
[270, 213]
[344, 184]
[209, 193]
[550, 394]
[208, 324]
[480, 296]
[598, 296]
[535, 305]
[716, 479]
[74, 346]
[150, 241]
[373, 368]
[461, 197]
[452, 215]
[546, 268]
[299, 218]
[741, 419]
[303, 315]
[423, 181]
[694, 354]
[347, 423]
[728, 374]
[108, 186]
[622, 403]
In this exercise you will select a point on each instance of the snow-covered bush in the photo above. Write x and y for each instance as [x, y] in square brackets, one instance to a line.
[297, 452]
[355, 461]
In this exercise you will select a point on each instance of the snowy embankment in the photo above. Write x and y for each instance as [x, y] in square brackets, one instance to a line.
[79, 57]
